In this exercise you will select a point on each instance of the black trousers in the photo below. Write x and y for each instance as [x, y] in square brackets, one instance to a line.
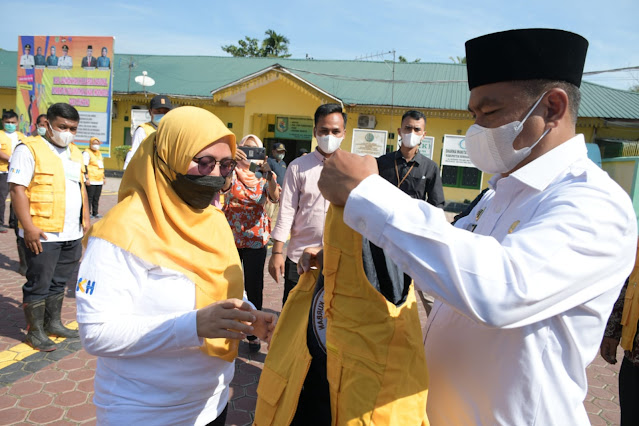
[49, 271]
[4, 191]
[291, 277]
[221, 419]
[253, 265]
[629, 393]
[94, 191]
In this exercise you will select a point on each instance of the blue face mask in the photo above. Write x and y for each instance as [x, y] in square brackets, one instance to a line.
[156, 118]
[10, 127]
[42, 131]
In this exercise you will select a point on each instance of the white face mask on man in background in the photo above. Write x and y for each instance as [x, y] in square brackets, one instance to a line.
[411, 140]
[329, 143]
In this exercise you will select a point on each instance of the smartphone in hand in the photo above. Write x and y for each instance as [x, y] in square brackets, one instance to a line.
[253, 153]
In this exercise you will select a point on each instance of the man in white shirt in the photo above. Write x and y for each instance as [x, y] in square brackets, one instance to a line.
[158, 107]
[50, 201]
[65, 61]
[302, 207]
[525, 283]
[27, 60]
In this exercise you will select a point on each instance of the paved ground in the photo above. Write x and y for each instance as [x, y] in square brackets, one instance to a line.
[57, 388]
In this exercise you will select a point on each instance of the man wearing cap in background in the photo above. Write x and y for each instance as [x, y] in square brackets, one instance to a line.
[65, 61]
[276, 161]
[89, 61]
[26, 60]
[159, 105]
[525, 283]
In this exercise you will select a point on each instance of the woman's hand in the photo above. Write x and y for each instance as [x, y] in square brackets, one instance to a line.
[228, 319]
[264, 325]
[240, 155]
[264, 167]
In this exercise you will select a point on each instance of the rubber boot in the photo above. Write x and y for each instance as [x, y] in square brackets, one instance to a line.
[22, 269]
[52, 323]
[36, 337]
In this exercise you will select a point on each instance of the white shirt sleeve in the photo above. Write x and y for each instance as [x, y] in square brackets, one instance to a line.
[289, 201]
[569, 254]
[22, 166]
[124, 312]
[86, 157]
[138, 136]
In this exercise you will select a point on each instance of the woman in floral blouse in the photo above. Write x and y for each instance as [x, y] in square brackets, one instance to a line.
[244, 209]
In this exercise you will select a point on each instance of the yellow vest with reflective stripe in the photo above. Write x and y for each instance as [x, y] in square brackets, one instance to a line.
[376, 366]
[6, 146]
[46, 192]
[96, 174]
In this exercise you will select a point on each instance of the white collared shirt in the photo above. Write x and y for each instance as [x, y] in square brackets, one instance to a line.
[522, 301]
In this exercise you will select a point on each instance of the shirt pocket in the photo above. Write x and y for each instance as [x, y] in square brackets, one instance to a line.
[41, 195]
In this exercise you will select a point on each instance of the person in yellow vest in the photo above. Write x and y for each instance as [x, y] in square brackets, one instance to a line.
[94, 175]
[158, 107]
[623, 327]
[347, 349]
[50, 201]
[9, 139]
[160, 286]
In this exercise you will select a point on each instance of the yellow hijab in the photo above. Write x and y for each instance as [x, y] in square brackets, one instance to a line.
[152, 222]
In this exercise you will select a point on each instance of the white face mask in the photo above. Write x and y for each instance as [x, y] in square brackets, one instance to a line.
[279, 157]
[411, 140]
[329, 143]
[95, 147]
[492, 151]
[62, 139]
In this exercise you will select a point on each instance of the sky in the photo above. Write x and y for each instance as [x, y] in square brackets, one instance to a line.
[433, 31]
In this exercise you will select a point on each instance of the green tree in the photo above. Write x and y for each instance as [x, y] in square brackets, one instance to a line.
[247, 47]
[404, 60]
[634, 88]
[274, 45]
[458, 59]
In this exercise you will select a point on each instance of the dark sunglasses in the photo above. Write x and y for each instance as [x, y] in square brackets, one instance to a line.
[206, 164]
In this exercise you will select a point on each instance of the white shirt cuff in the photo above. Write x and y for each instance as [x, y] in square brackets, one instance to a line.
[186, 331]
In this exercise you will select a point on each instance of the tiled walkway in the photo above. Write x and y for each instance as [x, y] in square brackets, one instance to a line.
[56, 388]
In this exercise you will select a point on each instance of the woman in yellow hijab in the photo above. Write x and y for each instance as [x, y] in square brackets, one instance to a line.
[160, 286]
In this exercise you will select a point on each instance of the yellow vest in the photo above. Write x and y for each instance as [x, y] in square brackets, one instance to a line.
[376, 367]
[46, 191]
[630, 314]
[7, 147]
[96, 173]
[149, 128]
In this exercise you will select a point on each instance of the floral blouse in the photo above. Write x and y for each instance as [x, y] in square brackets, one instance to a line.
[244, 209]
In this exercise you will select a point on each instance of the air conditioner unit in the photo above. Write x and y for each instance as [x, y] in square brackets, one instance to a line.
[366, 121]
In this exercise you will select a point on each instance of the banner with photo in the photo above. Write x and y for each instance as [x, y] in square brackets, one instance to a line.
[73, 69]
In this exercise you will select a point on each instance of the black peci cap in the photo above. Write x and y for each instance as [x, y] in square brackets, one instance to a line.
[526, 54]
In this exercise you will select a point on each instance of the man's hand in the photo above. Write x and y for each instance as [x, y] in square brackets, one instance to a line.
[264, 325]
[32, 239]
[342, 173]
[312, 258]
[228, 319]
[276, 266]
[608, 349]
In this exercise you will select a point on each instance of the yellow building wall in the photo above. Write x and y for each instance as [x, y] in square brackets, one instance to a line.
[7, 99]
[279, 97]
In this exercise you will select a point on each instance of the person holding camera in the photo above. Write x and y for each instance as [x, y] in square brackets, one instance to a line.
[251, 186]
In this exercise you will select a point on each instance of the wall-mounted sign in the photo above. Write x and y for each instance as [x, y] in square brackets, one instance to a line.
[426, 147]
[454, 152]
[369, 142]
[297, 128]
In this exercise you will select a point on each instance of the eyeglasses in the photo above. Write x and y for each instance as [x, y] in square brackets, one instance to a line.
[206, 164]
